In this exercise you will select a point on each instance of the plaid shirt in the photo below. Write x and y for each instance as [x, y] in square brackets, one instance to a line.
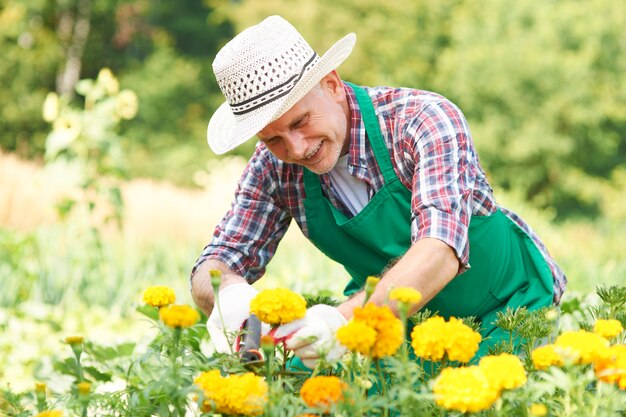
[432, 153]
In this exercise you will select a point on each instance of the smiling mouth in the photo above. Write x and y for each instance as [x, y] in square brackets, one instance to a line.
[313, 152]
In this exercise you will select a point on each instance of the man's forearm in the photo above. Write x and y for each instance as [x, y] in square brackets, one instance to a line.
[201, 289]
[428, 266]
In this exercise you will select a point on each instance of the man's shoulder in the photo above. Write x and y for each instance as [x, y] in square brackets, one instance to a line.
[403, 100]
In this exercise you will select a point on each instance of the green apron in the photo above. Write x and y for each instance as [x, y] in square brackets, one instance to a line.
[507, 269]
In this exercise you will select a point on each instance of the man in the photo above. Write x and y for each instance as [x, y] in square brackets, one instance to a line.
[379, 179]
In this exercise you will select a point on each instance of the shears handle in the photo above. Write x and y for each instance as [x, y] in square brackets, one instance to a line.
[249, 341]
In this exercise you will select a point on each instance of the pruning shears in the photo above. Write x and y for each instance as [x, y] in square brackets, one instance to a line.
[248, 342]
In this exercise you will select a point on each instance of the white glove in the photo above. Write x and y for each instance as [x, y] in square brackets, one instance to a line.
[313, 336]
[234, 303]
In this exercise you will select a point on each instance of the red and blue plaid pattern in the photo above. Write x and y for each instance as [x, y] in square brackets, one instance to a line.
[433, 155]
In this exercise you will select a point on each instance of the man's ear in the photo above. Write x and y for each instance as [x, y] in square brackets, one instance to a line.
[332, 84]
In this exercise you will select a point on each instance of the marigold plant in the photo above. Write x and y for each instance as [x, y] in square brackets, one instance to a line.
[244, 394]
[465, 389]
[545, 356]
[159, 296]
[278, 306]
[179, 316]
[389, 334]
[322, 392]
[357, 337]
[582, 347]
[608, 329]
[504, 371]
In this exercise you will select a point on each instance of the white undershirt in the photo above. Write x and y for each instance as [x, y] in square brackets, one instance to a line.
[351, 190]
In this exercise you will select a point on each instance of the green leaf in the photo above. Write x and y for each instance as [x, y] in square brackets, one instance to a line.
[149, 311]
[96, 374]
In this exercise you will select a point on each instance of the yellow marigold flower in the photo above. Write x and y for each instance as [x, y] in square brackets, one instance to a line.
[545, 356]
[278, 306]
[613, 368]
[405, 295]
[159, 296]
[322, 392]
[74, 340]
[586, 347]
[40, 387]
[538, 410]
[607, 328]
[428, 339]
[504, 371]
[233, 395]
[464, 389]
[84, 388]
[357, 337]
[389, 333]
[50, 413]
[177, 316]
[435, 337]
[462, 341]
[372, 281]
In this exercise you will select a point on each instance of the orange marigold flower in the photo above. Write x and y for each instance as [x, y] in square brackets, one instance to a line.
[322, 392]
[504, 371]
[159, 296]
[389, 333]
[357, 337]
[608, 329]
[177, 316]
[464, 389]
[584, 347]
[545, 356]
[278, 306]
[613, 368]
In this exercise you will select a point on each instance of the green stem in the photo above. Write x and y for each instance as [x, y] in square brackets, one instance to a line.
[383, 385]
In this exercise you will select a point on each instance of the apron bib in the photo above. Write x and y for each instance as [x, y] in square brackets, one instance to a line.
[507, 269]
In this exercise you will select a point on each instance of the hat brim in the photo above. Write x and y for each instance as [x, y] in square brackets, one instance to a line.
[225, 132]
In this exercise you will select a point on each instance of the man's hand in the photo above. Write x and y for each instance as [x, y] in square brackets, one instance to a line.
[233, 302]
[313, 336]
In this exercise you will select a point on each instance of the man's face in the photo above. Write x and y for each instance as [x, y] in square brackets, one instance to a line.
[313, 132]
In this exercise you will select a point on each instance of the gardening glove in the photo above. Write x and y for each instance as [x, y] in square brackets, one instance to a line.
[234, 303]
[313, 336]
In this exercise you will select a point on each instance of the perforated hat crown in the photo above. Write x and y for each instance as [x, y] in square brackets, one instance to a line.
[263, 72]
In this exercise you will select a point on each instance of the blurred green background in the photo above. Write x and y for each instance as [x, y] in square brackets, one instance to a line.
[542, 85]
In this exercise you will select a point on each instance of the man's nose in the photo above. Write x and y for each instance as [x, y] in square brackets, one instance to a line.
[296, 145]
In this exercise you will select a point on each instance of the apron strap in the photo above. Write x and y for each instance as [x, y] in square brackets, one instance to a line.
[372, 128]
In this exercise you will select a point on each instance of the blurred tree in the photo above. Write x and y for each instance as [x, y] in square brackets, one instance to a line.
[540, 83]
[164, 47]
[543, 86]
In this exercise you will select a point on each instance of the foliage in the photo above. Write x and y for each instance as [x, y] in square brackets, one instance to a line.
[173, 376]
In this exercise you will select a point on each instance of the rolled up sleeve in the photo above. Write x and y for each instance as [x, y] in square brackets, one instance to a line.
[443, 178]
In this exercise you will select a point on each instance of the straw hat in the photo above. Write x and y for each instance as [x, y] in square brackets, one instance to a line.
[263, 72]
